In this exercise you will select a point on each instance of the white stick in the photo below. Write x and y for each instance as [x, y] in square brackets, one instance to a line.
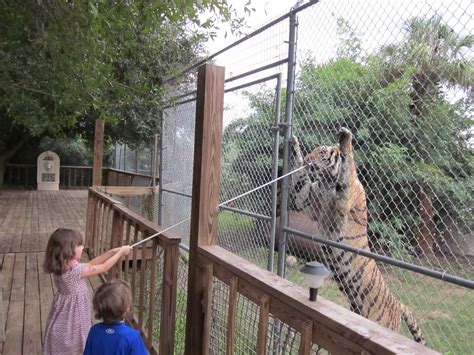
[223, 203]
[160, 232]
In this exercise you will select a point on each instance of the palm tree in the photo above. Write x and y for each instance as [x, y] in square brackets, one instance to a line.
[438, 59]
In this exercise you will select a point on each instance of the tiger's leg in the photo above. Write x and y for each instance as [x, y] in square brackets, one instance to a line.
[300, 181]
[346, 173]
[412, 324]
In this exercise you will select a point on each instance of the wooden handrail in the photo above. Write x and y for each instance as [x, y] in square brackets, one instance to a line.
[129, 173]
[110, 224]
[322, 322]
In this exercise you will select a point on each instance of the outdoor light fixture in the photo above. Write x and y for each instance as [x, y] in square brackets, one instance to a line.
[314, 274]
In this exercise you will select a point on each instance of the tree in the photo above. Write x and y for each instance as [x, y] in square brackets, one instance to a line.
[65, 63]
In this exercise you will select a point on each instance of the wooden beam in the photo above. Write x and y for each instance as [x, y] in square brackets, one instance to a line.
[98, 153]
[116, 240]
[128, 190]
[206, 181]
[168, 298]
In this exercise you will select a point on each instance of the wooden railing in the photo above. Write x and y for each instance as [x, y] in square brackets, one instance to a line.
[110, 224]
[124, 178]
[318, 324]
[75, 177]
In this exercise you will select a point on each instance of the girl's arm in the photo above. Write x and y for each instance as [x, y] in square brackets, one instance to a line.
[92, 270]
[104, 256]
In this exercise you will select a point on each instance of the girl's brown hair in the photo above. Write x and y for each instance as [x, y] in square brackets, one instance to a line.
[112, 301]
[60, 250]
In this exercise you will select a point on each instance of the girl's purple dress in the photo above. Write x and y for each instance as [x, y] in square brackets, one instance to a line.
[69, 319]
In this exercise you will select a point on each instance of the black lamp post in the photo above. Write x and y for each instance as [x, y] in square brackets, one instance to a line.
[314, 274]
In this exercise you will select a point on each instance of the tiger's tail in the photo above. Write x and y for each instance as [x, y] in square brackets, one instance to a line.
[412, 324]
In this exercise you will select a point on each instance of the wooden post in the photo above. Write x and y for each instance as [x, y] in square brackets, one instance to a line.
[98, 153]
[115, 241]
[90, 223]
[204, 206]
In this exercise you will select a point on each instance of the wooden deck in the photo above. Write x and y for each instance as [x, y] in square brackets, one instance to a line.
[27, 218]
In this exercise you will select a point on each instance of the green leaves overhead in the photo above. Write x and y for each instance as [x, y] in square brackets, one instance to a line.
[65, 63]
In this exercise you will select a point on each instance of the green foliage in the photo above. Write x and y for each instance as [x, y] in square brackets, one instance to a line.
[409, 137]
[247, 154]
[64, 64]
[71, 151]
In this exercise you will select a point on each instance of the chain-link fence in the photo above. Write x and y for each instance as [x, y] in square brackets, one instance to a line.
[138, 160]
[399, 76]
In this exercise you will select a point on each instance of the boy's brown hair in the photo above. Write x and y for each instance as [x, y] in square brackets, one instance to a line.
[60, 250]
[112, 301]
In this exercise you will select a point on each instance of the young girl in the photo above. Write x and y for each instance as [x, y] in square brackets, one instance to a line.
[69, 319]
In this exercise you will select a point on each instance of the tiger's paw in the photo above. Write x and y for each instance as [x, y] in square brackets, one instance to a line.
[297, 149]
[294, 140]
[345, 136]
[344, 133]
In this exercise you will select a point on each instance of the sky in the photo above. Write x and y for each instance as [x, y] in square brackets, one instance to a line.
[379, 19]
[376, 22]
[265, 11]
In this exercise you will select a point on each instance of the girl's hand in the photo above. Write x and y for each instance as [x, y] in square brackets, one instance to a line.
[125, 249]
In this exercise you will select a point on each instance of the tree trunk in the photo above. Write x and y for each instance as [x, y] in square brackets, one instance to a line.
[426, 226]
[3, 168]
[6, 155]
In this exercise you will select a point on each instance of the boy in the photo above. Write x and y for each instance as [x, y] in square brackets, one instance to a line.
[111, 303]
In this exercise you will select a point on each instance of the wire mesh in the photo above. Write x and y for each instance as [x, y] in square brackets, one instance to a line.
[247, 235]
[181, 302]
[393, 76]
[177, 167]
[138, 160]
[398, 75]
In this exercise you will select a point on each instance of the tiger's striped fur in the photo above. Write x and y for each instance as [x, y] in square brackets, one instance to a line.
[330, 193]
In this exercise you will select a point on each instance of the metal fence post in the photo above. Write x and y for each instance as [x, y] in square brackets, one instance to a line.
[286, 147]
[276, 144]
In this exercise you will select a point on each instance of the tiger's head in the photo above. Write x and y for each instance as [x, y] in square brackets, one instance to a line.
[325, 163]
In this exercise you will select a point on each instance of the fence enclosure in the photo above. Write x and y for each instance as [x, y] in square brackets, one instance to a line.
[390, 73]
[256, 310]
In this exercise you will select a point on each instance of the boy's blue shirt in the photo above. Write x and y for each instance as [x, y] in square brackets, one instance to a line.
[114, 339]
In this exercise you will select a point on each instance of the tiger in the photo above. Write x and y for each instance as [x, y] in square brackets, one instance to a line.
[330, 194]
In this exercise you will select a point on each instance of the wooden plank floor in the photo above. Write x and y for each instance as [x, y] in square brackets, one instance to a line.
[27, 218]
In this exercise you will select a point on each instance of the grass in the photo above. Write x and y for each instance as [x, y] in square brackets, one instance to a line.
[444, 311]
[230, 220]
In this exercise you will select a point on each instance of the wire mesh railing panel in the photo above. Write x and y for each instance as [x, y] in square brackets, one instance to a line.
[246, 326]
[181, 302]
[158, 293]
[282, 338]
[219, 317]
